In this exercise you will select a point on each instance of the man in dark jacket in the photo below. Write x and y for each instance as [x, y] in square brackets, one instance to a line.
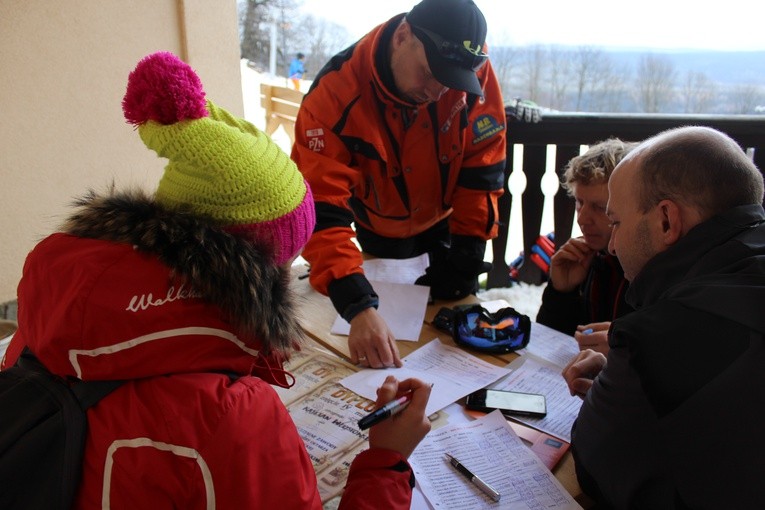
[672, 417]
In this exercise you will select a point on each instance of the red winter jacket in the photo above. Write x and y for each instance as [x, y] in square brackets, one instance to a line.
[115, 299]
[391, 167]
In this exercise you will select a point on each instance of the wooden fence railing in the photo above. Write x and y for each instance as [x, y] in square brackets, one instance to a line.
[567, 132]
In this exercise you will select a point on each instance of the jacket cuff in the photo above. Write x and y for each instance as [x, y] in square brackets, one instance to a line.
[381, 458]
[352, 294]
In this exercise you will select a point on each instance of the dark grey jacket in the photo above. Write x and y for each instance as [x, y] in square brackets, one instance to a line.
[675, 419]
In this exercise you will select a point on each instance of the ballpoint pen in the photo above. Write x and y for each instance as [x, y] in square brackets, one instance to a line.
[485, 487]
[384, 412]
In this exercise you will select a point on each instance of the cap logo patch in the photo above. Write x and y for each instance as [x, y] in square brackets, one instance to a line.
[475, 51]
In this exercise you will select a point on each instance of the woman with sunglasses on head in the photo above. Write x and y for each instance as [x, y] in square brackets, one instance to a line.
[402, 139]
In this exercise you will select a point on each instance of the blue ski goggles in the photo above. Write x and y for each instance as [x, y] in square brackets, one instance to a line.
[472, 326]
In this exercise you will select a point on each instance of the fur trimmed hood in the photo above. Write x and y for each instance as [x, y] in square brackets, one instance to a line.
[231, 273]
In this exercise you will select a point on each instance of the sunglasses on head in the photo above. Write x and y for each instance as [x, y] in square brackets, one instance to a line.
[470, 58]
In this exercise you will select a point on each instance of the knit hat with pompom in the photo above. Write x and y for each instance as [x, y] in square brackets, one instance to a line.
[220, 166]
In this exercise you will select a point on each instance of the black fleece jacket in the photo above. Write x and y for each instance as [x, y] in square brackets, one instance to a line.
[675, 418]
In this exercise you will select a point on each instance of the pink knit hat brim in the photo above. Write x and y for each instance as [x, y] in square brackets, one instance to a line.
[285, 236]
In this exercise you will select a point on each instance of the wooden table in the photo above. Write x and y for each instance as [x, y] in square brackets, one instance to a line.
[317, 316]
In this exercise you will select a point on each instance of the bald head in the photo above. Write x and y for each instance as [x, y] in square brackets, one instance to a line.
[697, 166]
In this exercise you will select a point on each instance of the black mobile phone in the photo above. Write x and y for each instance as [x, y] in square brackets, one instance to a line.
[508, 402]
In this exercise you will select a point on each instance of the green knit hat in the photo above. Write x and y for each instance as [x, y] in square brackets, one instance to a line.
[220, 166]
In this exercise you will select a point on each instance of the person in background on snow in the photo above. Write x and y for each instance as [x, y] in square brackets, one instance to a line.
[296, 71]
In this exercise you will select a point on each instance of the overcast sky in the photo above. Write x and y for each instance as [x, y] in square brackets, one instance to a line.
[659, 24]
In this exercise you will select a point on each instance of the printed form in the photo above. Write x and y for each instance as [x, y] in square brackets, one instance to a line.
[538, 370]
[453, 373]
[531, 375]
[490, 449]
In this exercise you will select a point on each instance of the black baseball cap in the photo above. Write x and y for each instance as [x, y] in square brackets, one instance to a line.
[453, 33]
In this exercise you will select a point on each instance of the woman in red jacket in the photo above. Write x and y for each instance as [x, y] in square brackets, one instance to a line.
[185, 295]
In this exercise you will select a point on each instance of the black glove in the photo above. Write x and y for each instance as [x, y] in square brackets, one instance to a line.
[523, 110]
[456, 276]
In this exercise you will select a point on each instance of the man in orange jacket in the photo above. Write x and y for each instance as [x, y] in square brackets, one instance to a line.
[402, 135]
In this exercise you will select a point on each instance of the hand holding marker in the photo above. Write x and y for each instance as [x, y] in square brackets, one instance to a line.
[384, 412]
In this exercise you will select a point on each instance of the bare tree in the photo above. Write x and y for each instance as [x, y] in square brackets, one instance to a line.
[655, 80]
[254, 39]
[505, 60]
[611, 90]
[698, 93]
[559, 76]
[285, 14]
[320, 40]
[255, 18]
[745, 98]
[534, 63]
[586, 72]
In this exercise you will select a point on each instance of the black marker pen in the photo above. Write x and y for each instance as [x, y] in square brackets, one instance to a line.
[384, 412]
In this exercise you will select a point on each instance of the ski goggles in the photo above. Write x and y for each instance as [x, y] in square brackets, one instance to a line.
[472, 326]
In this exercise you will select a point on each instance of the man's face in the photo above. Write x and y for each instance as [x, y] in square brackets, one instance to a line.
[591, 200]
[632, 235]
[411, 72]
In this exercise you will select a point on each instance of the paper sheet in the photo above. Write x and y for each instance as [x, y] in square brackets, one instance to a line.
[550, 345]
[490, 449]
[533, 375]
[395, 270]
[453, 372]
[402, 306]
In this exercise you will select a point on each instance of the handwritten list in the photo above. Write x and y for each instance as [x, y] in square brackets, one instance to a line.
[491, 450]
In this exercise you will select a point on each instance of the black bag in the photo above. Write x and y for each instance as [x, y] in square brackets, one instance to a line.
[43, 426]
[503, 331]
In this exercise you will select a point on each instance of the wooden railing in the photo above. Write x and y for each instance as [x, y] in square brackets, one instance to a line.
[281, 106]
[567, 132]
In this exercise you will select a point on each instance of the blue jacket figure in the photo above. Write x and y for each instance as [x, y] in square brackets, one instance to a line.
[296, 70]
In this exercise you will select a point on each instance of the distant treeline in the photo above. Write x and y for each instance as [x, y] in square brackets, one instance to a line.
[636, 81]
[557, 77]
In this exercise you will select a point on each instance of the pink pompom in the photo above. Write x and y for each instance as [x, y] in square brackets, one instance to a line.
[165, 89]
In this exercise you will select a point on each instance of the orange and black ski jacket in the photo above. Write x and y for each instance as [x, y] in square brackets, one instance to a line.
[391, 167]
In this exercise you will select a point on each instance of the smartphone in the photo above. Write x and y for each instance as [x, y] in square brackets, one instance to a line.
[508, 402]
